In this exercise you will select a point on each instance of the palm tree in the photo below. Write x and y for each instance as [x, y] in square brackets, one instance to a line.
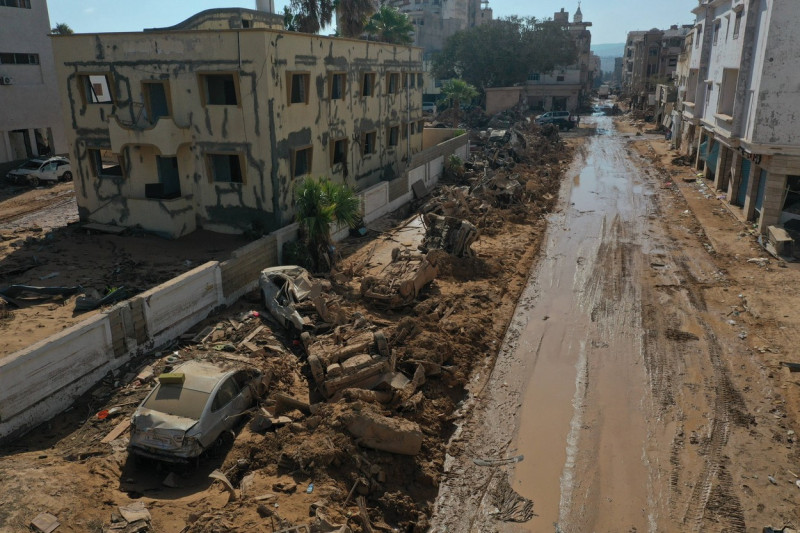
[62, 28]
[456, 91]
[310, 16]
[318, 204]
[352, 16]
[389, 25]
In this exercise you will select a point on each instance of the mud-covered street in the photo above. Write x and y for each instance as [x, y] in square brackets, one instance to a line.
[626, 396]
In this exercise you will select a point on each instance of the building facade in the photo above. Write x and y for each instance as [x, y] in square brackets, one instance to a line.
[213, 122]
[436, 20]
[31, 123]
[651, 58]
[740, 106]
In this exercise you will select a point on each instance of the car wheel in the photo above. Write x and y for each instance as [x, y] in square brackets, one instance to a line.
[34, 181]
[67, 176]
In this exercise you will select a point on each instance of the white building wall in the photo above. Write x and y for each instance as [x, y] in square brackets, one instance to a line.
[32, 100]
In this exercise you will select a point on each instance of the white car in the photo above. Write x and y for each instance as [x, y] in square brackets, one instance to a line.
[52, 170]
[190, 409]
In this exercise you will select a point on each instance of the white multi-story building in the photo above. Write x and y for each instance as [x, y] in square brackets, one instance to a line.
[30, 111]
[742, 99]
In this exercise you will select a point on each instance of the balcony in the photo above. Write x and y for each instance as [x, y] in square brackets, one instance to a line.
[164, 135]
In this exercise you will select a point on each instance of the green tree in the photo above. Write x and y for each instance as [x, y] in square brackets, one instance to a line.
[352, 16]
[389, 25]
[456, 91]
[308, 16]
[505, 52]
[62, 28]
[319, 204]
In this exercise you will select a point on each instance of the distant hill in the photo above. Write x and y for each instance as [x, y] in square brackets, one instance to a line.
[609, 50]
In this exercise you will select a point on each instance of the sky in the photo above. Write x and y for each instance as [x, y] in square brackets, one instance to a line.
[611, 19]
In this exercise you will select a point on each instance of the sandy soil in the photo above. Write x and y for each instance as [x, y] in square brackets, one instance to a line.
[41, 244]
[640, 377]
[457, 325]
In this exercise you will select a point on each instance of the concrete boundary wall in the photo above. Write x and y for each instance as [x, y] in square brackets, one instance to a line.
[40, 381]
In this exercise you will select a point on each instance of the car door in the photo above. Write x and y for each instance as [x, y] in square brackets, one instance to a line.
[48, 172]
[218, 418]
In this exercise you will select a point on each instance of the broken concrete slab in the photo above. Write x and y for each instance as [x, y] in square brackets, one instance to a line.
[134, 512]
[395, 435]
[45, 523]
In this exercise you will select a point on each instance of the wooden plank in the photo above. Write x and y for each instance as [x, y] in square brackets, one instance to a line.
[117, 432]
[253, 333]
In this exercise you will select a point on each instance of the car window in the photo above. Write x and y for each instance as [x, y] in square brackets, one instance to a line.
[49, 167]
[178, 401]
[62, 163]
[225, 394]
[31, 165]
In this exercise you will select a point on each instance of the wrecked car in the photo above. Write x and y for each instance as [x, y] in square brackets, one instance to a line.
[191, 409]
[282, 288]
[401, 281]
[453, 235]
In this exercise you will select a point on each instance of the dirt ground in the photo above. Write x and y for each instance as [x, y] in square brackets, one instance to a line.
[41, 244]
[453, 330]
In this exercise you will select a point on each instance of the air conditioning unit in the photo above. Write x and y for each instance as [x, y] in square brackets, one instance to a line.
[6, 80]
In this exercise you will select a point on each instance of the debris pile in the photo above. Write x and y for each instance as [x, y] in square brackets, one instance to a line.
[401, 281]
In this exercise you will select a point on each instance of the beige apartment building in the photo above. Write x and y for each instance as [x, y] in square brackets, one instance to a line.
[211, 123]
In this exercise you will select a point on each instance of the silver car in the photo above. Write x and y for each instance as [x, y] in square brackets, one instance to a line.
[281, 288]
[189, 409]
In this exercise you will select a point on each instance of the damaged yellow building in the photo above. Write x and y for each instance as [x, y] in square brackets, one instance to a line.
[212, 122]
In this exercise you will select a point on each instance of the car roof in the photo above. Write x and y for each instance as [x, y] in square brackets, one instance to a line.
[201, 376]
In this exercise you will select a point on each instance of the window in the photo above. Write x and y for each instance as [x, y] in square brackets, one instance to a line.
[393, 83]
[737, 24]
[419, 80]
[368, 84]
[534, 77]
[727, 93]
[672, 61]
[717, 26]
[219, 89]
[691, 85]
[393, 135]
[709, 89]
[404, 130]
[156, 100]
[653, 52]
[420, 126]
[169, 182]
[225, 168]
[226, 393]
[699, 36]
[104, 163]
[412, 80]
[95, 88]
[16, 3]
[368, 142]
[338, 151]
[560, 77]
[337, 85]
[298, 87]
[301, 161]
[19, 59]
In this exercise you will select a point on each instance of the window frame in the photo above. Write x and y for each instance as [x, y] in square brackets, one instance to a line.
[737, 23]
[146, 97]
[309, 163]
[306, 86]
[392, 143]
[20, 4]
[373, 78]
[98, 150]
[390, 76]
[365, 136]
[228, 153]
[84, 81]
[20, 58]
[343, 90]
[201, 83]
[333, 144]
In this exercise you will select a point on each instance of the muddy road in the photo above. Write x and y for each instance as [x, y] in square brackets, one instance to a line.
[614, 404]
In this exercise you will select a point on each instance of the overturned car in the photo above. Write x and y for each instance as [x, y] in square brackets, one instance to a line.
[190, 409]
[282, 288]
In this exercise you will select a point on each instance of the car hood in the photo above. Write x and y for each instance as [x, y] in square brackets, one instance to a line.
[147, 419]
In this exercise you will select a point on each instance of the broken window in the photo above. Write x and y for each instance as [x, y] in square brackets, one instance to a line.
[338, 151]
[225, 168]
[219, 89]
[169, 183]
[727, 93]
[337, 83]
[737, 24]
[301, 161]
[26, 4]
[393, 83]
[19, 59]
[393, 135]
[298, 87]
[368, 84]
[95, 88]
[368, 142]
[105, 163]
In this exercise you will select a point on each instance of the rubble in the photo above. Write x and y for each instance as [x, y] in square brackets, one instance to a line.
[453, 235]
[401, 281]
[394, 435]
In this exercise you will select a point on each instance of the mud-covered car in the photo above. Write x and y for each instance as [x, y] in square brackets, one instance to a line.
[401, 281]
[190, 409]
[282, 288]
[34, 171]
